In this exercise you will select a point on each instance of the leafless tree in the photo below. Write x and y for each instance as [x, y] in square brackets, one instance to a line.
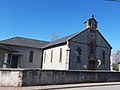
[116, 60]
[54, 36]
[116, 56]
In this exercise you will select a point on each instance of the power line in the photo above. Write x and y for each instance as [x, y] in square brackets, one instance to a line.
[113, 0]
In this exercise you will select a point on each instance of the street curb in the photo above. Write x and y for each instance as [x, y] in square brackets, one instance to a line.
[64, 87]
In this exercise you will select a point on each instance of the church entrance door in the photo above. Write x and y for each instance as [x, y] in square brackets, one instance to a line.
[14, 62]
[92, 65]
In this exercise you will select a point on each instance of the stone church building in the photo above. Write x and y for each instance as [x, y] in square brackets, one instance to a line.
[85, 50]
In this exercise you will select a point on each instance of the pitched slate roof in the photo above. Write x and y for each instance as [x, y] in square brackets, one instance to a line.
[104, 39]
[67, 38]
[61, 40]
[7, 48]
[27, 42]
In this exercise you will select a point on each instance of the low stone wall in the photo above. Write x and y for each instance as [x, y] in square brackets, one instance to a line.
[10, 77]
[26, 77]
[42, 77]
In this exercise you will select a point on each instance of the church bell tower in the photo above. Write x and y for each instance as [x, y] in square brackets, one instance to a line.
[91, 23]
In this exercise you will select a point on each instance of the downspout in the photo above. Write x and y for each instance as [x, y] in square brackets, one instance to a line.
[67, 57]
[41, 64]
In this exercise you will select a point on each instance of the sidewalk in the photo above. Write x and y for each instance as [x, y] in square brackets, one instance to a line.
[60, 86]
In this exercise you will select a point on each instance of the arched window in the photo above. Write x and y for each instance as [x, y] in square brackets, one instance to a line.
[103, 57]
[78, 54]
[91, 48]
[31, 56]
[60, 59]
[51, 56]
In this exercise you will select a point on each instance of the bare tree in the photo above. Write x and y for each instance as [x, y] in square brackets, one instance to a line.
[116, 60]
[54, 36]
[116, 56]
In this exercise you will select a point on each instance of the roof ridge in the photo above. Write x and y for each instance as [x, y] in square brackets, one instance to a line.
[22, 41]
[31, 38]
[24, 38]
[77, 33]
[62, 40]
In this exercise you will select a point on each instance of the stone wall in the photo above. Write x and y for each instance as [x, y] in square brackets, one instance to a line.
[10, 77]
[82, 40]
[43, 77]
[74, 65]
[27, 77]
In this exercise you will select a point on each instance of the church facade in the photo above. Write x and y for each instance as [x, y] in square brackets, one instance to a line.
[85, 50]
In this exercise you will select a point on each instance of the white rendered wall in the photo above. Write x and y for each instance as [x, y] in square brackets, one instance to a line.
[10, 77]
[55, 64]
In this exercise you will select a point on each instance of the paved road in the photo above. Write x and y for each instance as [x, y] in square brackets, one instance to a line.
[113, 87]
[82, 86]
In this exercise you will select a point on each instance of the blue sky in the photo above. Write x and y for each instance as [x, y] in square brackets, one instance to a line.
[38, 19]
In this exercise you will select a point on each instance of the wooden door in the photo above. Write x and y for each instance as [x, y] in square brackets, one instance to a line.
[14, 62]
[92, 65]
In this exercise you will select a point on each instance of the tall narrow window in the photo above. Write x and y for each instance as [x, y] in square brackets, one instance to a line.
[44, 57]
[91, 48]
[31, 56]
[60, 59]
[51, 56]
[103, 57]
[78, 55]
[9, 59]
